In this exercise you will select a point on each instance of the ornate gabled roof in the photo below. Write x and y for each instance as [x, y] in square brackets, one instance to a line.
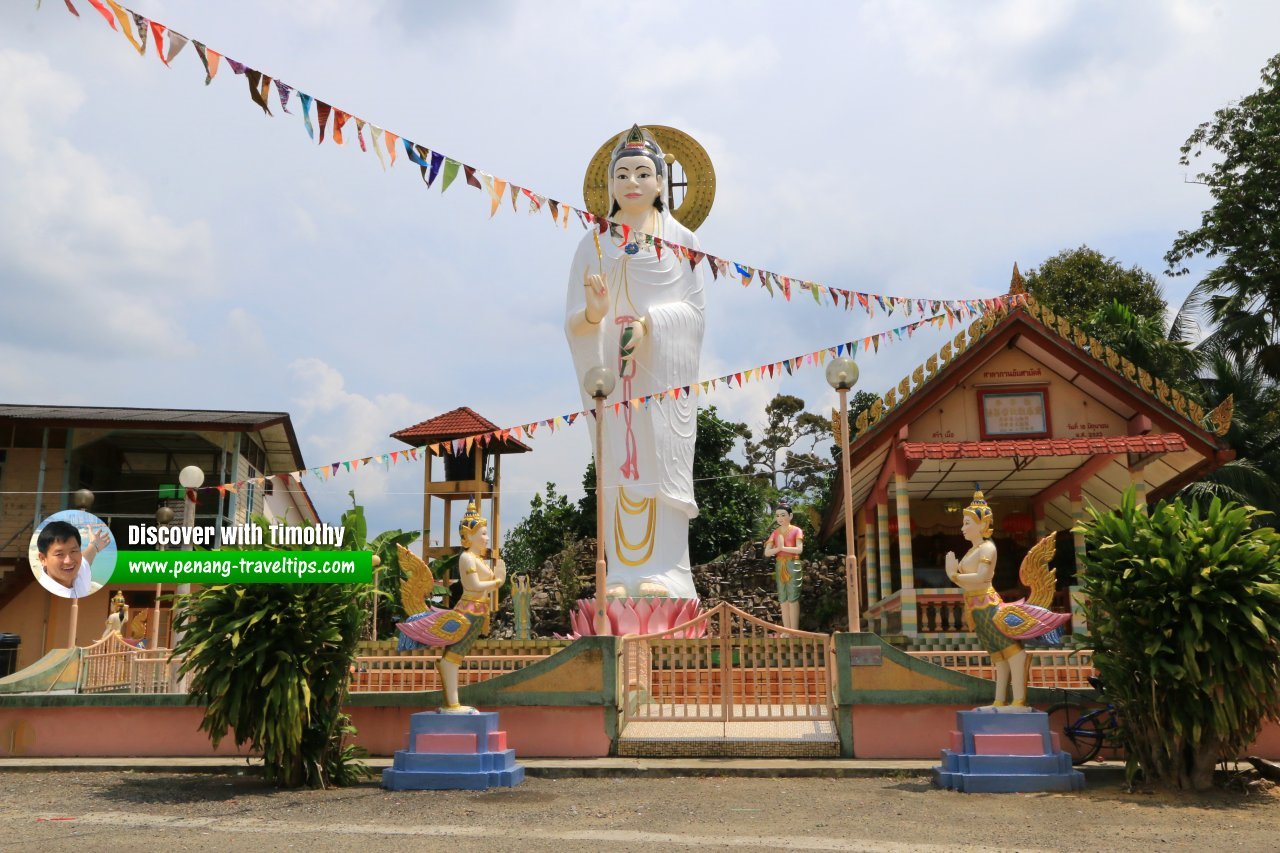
[1019, 321]
[1192, 413]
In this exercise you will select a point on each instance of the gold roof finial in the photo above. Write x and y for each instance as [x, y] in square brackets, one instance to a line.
[1017, 284]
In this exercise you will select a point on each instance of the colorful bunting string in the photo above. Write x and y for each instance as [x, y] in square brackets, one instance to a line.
[433, 164]
[740, 378]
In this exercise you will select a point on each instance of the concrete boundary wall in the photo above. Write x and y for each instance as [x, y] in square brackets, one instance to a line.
[888, 705]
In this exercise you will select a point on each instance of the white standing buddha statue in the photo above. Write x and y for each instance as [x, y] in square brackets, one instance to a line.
[639, 309]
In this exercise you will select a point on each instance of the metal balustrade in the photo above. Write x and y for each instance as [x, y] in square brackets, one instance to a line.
[726, 665]
[1053, 668]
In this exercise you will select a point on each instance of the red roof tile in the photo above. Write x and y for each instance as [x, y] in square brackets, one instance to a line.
[459, 423]
[1159, 443]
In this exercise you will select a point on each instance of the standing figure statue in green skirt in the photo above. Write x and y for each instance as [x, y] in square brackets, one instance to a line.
[786, 544]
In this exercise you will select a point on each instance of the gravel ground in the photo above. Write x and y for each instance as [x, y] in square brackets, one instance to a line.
[54, 811]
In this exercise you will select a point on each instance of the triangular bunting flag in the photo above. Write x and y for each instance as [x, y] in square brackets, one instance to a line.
[210, 59]
[104, 11]
[177, 41]
[306, 114]
[339, 119]
[259, 88]
[450, 172]
[283, 89]
[322, 117]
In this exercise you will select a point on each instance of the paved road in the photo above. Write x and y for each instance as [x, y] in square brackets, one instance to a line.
[54, 811]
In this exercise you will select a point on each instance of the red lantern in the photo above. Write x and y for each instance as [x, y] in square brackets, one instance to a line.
[1018, 523]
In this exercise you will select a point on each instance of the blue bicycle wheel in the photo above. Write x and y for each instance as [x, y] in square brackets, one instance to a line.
[1079, 732]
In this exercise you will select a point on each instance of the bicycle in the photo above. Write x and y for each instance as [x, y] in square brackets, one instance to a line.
[1085, 730]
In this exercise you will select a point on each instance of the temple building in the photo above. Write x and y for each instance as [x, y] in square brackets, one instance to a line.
[129, 458]
[1046, 420]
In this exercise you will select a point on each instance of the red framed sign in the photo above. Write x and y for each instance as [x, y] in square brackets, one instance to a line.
[1010, 412]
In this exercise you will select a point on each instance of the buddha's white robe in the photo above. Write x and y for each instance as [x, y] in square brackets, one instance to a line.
[657, 492]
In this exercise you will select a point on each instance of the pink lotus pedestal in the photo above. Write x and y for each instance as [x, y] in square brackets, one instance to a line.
[638, 616]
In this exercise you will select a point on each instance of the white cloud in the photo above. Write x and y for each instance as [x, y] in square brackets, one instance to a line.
[81, 237]
[713, 62]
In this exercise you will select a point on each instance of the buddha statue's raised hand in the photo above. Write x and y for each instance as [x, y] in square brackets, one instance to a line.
[597, 297]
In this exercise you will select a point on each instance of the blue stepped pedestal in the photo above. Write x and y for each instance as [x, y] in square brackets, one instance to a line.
[999, 753]
[453, 751]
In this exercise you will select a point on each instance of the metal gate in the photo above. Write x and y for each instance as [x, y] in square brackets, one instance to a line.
[722, 666]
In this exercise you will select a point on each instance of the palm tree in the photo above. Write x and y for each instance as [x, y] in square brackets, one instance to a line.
[1254, 476]
[1147, 343]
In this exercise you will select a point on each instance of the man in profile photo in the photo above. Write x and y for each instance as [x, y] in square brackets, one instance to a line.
[66, 567]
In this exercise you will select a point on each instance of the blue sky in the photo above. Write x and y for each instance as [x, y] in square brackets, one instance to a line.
[203, 255]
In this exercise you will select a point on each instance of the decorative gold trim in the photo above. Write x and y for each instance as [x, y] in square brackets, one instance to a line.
[904, 387]
[945, 353]
[890, 399]
[1197, 412]
[1081, 339]
[1144, 379]
[931, 365]
[861, 422]
[620, 541]
[1064, 328]
[1179, 402]
[877, 409]
[917, 376]
[1221, 416]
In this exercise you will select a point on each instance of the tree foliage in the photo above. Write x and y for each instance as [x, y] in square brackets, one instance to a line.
[551, 523]
[1183, 606]
[732, 502]
[786, 452]
[1253, 477]
[1075, 281]
[1242, 228]
[1145, 341]
[271, 664]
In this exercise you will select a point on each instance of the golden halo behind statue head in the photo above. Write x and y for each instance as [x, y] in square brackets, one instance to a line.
[699, 176]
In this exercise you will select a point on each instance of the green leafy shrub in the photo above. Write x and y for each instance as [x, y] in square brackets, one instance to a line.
[1184, 615]
[271, 663]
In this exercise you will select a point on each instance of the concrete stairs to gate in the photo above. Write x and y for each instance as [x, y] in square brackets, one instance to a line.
[737, 738]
